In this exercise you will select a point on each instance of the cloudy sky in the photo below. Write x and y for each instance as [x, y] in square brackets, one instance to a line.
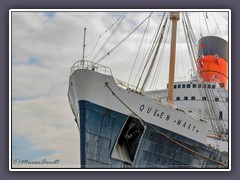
[44, 47]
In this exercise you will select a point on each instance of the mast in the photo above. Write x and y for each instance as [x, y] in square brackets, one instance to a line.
[84, 42]
[174, 16]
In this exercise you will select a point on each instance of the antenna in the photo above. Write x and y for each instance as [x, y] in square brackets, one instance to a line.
[84, 42]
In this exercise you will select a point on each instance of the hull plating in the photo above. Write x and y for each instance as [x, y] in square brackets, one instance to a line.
[101, 127]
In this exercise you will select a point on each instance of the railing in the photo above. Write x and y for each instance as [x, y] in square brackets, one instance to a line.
[190, 113]
[84, 64]
[159, 99]
[164, 102]
[186, 78]
[127, 86]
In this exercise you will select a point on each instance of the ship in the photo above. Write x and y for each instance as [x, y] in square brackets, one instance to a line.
[182, 126]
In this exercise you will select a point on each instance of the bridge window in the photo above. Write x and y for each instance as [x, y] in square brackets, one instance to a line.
[179, 85]
[188, 85]
[199, 85]
[213, 86]
[193, 98]
[178, 98]
[185, 98]
[175, 86]
[194, 85]
[220, 115]
[183, 86]
[204, 98]
[204, 85]
[216, 99]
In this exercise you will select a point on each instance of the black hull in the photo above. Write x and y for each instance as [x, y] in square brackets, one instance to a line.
[148, 146]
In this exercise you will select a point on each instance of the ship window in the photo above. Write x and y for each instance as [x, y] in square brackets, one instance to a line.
[204, 85]
[178, 98]
[213, 86]
[183, 86]
[193, 98]
[216, 99]
[209, 85]
[179, 85]
[194, 85]
[204, 98]
[199, 85]
[220, 115]
[221, 85]
[175, 86]
[188, 85]
[185, 98]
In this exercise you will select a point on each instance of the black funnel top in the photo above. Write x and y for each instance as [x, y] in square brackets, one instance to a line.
[212, 45]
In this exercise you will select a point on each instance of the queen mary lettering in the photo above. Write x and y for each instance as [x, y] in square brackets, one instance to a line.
[154, 112]
[164, 116]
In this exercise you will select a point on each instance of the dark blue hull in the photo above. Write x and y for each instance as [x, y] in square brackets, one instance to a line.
[101, 129]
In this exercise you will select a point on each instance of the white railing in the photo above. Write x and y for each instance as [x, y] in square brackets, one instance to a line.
[127, 86]
[190, 112]
[159, 99]
[164, 102]
[84, 64]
